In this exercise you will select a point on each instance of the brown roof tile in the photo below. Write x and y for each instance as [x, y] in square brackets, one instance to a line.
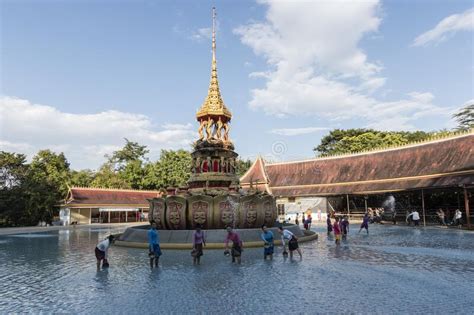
[438, 163]
[100, 196]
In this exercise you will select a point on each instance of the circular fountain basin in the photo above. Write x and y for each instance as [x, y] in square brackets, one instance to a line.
[137, 236]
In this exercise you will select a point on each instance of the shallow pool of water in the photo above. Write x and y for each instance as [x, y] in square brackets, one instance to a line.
[392, 270]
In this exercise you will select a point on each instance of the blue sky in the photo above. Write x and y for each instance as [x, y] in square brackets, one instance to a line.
[79, 76]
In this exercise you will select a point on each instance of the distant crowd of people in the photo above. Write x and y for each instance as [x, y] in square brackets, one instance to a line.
[306, 220]
[456, 219]
[340, 227]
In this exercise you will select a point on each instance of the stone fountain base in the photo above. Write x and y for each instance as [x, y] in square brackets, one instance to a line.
[182, 239]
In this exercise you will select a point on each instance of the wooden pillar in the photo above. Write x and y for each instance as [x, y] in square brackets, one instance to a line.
[126, 216]
[423, 206]
[90, 215]
[466, 207]
[347, 199]
[109, 216]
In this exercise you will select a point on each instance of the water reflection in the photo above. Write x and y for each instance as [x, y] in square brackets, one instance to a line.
[102, 278]
[56, 272]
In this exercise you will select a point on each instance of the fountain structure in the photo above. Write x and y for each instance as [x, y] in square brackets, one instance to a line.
[213, 197]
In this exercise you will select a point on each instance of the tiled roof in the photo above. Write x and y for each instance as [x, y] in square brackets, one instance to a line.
[446, 162]
[256, 173]
[102, 196]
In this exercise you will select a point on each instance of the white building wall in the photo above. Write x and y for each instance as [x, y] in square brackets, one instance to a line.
[317, 206]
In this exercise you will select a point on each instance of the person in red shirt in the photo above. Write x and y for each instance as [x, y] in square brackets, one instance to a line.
[337, 231]
[237, 245]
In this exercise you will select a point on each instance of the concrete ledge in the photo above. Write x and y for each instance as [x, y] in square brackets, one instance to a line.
[308, 236]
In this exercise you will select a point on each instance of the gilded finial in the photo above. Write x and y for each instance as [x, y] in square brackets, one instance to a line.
[213, 106]
[213, 36]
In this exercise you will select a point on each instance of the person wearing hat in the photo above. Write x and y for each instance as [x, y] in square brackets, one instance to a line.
[237, 245]
[101, 251]
[154, 245]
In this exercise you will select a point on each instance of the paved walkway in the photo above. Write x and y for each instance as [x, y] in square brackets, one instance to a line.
[36, 229]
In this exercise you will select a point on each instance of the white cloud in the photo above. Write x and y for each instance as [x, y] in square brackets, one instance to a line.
[316, 67]
[446, 28]
[297, 131]
[259, 74]
[400, 115]
[202, 34]
[84, 138]
[328, 32]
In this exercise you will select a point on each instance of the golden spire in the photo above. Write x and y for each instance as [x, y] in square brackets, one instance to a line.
[213, 105]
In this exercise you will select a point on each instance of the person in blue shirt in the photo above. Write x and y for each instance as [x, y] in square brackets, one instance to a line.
[268, 247]
[365, 223]
[154, 245]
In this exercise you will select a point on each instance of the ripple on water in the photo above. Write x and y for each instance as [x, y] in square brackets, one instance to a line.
[33, 235]
[59, 276]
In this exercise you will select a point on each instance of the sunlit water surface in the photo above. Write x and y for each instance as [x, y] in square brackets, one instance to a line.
[393, 270]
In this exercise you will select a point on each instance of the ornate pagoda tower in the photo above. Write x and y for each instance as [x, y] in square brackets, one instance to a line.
[214, 159]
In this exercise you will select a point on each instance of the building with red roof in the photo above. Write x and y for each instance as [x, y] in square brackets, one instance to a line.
[445, 164]
[103, 205]
[342, 183]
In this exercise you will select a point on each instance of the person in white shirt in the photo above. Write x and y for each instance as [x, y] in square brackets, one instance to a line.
[101, 251]
[292, 241]
[415, 216]
[457, 218]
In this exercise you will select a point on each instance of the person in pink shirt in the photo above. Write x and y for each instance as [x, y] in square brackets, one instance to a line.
[237, 245]
[337, 231]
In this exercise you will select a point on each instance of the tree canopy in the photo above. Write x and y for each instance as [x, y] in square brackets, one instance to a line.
[131, 152]
[31, 192]
[340, 141]
[465, 117]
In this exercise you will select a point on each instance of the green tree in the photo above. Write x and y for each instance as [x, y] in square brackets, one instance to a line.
[151, 179]
[125, 168]
[132, 151]
[108, 177]
[82, 178]
[413, 136]
[328, 142]
[13, 174]
[354, 140]
[368, 140]
[242, 166]
[46, 185]
[465, 117]
[173, 169]
[13, 169]
[133, 173]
